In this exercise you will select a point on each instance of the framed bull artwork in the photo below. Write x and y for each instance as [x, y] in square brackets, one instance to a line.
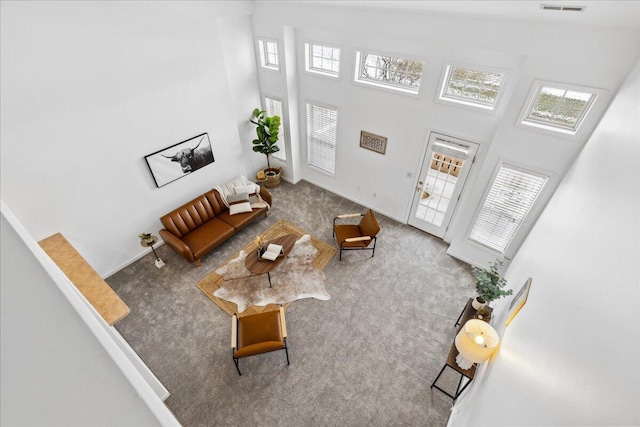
[180, 159]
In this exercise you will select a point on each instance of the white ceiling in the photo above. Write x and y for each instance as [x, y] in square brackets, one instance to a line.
[601, 13]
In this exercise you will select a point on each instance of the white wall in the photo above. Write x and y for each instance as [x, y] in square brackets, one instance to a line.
[570, 357]
[529, 50]
[90, 88]
[93, 87]
[56, 369]
[236, 36]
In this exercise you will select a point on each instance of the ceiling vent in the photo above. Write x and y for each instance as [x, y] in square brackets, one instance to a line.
[562, 8]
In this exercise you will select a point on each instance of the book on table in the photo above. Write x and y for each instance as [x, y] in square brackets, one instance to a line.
[272, 252]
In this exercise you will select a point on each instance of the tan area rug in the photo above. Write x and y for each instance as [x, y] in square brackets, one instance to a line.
[300, 276]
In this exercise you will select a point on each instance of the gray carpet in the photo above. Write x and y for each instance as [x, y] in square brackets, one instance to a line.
[365, 357]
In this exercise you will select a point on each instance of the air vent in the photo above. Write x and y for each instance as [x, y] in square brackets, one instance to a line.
[562, 8]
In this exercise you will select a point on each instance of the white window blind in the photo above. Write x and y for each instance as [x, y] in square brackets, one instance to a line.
[510, 198]
[273, 107]
[321, 137]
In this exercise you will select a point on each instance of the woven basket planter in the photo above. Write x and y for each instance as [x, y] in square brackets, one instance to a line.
[272, 177]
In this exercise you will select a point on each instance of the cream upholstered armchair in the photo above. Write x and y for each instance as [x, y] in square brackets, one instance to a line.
[357, 236]
[258, 333]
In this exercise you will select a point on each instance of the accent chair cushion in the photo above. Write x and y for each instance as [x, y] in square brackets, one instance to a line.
[259, 333]
[347, 231]
[369, 225]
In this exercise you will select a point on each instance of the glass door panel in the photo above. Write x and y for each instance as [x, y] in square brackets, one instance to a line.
[444, 170]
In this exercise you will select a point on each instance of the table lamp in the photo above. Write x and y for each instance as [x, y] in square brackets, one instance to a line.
[475, 342]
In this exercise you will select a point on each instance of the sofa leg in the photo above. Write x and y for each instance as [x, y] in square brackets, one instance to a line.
[266, 214]
[198, 262]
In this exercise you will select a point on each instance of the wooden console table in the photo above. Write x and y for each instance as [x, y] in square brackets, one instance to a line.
[85, 278]
[467, 313]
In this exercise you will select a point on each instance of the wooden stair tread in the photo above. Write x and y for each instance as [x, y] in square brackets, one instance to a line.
[85, 278]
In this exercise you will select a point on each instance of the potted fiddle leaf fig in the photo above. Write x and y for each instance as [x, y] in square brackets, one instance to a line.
[267, 129]
[489, 283]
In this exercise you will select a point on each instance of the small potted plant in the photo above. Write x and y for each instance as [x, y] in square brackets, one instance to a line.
[147, 238]
[267, 129]
[489, 284]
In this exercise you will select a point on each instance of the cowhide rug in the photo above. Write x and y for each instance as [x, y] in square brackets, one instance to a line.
[294, 279]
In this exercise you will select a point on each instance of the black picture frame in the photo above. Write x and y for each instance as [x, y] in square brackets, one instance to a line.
[179, 160]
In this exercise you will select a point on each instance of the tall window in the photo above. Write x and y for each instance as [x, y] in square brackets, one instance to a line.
[321, 137]
[510, 198]
[471, 87]
[269, 54]
[559, 108]
[388, 71]
[273, 107]
[321, 59]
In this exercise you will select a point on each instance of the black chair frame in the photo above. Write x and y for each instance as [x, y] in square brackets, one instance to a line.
[372, 249]
[342, 248]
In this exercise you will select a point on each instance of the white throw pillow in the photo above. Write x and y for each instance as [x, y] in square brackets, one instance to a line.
[238, 197]
[245, 189]
[240, 208]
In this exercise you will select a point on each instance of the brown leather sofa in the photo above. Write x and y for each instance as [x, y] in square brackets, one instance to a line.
[197, 227]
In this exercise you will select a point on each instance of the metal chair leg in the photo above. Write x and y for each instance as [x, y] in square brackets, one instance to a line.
[375, 239]
[237, 363]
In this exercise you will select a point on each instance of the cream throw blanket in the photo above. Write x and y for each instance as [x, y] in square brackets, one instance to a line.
[228, 187]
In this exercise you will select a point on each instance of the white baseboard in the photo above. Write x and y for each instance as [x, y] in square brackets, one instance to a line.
[344, 196]
[132, 260]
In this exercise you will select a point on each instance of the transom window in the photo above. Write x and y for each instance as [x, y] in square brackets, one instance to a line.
[388, 71]
[321, 137]
[273, 107]
[559, 108]
[511, 196]
[269, 54]
[472, 87]
[322, 59]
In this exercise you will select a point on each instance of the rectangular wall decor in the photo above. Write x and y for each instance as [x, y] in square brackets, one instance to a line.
[373, 142]
[180, 159]
[518, 301]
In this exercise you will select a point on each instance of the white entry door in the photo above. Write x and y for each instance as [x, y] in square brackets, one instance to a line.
[444, 171]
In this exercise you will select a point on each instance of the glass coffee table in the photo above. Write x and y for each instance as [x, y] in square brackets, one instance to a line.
[264, 266]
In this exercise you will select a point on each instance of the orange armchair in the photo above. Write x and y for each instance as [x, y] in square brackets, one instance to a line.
[258, 333]
[357, 236]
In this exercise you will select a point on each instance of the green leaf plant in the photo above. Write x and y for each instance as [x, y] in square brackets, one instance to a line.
[267, 129]
[145, 236]
[489, 284]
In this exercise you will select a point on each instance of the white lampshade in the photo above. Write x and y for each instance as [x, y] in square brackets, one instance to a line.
[475, 342]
